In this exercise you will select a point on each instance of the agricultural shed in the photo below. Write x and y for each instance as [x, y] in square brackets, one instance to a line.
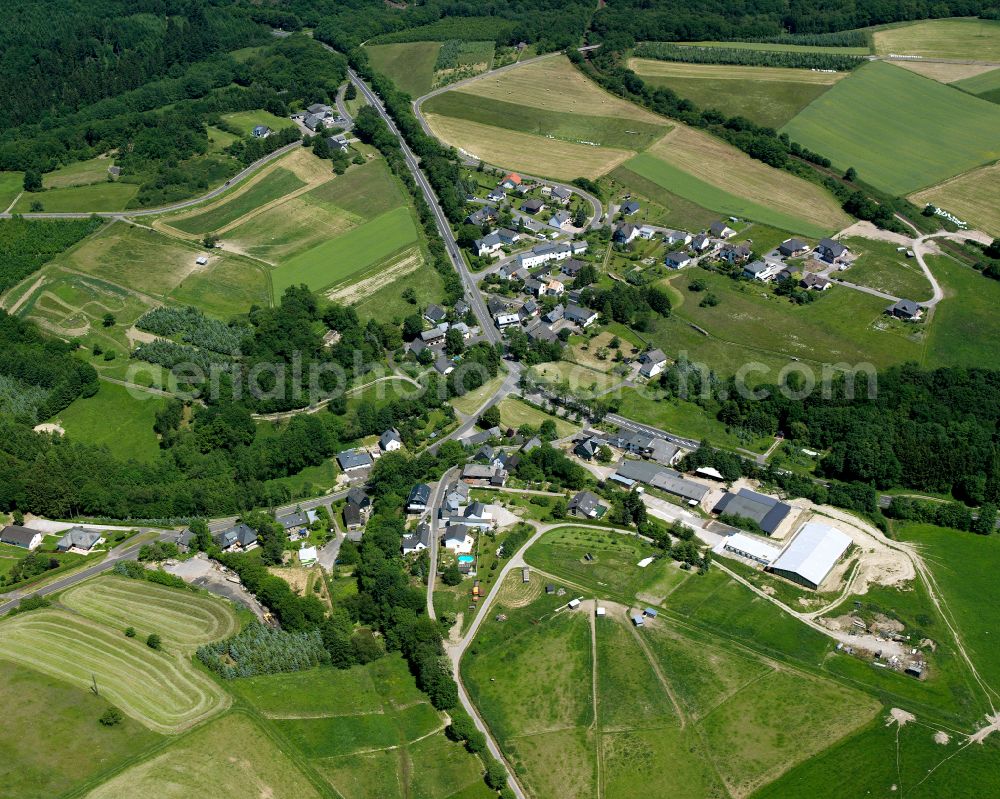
[811, 555]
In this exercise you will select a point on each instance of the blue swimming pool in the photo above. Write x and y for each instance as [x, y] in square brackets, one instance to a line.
[466, 559]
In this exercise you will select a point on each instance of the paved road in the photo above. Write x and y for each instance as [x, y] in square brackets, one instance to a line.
[239, 176]
[123, 551]
[638, 427]
[473, 297]
[437, 499]
[342, 107]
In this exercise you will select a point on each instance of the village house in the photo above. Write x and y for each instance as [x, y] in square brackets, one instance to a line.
[625, 233]
[390, 440]
[458, 539]
[793, 248]
[236, 539]
[418, 499]
[417, 540]
[18, 536]
[905, 309]
[584, 317]
[735, 254]
[260, 131]
[560, 220]
[763, 271]
[677, 260]
[721, 230]
[435, 314]
[79, 540]
[831, 251]
[488, 245]
[587, 505]
[653, 362]
[675, 237]
[702, 244]
[353, 460]
[510, 181]
[814, 281]
[532, 206]
[630, 207]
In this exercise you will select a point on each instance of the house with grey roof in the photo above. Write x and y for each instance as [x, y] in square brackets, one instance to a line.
[674, 237]
[630, 207]
[390, 440]
[234, 539]
[816, 282]
[260, 131]
[77, 539]
[792, 248]
[417, 540]
[488, 245]
[764, 271]
[560, 220]
[905, 309]
[584, 317]
[293, 522]
[701, 243]
[677, 260]
[532, 206]
[830, 250]
[586, 504]
[734, 254]
[555, 314]
[625, 233]
[721, 230]
[353, 460]
[653, 362]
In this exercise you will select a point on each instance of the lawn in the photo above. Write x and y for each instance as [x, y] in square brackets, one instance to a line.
[769, 96]
[274, 184]
[580, 379]
[684, 419]
[339, 259]
[514, 413]
[973, 197]
[231, 757]
[901, 131]
[536, 155]
[94, 197]
[246, 121]
[842, 325]
[162, 690]
[79, 173]
[11, 184]
[962, 39]
[788, 200]
[409, 65]
[471, 401]
[578, 127]
[116, 418]
[965, 325]
[181, 618]
[40, 712]
[880, 266]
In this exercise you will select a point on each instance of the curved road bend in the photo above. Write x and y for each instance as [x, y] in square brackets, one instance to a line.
[243, 174]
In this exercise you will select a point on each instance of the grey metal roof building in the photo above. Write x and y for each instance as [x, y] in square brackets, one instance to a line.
[352, 459]
[811, 555]
[766, 511]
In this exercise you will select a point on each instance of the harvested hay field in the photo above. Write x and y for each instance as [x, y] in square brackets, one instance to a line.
[161, 690]
[556, 85]
[734, 172]
[944, 72]
[973, 197]
[515, 593]
[536, 155]
[180, 617]
[648, 67]
[407, 262]
[963, 39]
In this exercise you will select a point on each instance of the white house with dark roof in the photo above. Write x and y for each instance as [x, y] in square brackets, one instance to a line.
[418, 499]
[584, 317]
[488, 245]
[831, 251]
[653, 362]
[630, 207]
[674, 237]
[763, 271]
[721, 230]
[390, 440]
[417, 540]
[678, 260]
[18, 536]
[560, 220]
[458, 539]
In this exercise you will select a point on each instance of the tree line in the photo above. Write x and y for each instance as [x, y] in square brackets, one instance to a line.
[744, 56]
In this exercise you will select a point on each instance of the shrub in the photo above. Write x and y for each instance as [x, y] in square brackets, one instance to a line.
[130, 632]
[153, 641]
[111, 717]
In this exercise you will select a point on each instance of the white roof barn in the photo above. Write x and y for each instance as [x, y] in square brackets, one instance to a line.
[811, 555]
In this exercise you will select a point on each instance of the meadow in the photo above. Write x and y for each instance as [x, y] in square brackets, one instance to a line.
[367, 730]
[965, 326]
[246, 121]
[116, 419]
[40, 710]
[339, 259]
[471, 401]
[181, 618]
[273, 185]
[841, 325]
[232, 756]
[659, 205]
[11, 184]
[769, 96]
[409, 65]
[881, 267]
[962, 39]
[103, 196]
[728, 171]
[901, 131]
[514, 413]
[162, 690]
[985, 85]
[973, 197]
[79, 173]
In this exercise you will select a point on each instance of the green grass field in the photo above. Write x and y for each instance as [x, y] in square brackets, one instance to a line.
[965, 322]
[248, 120]
[79, 173]
[116, 419]
[11, 184]
[231, 757]
[162, 690]
[273, 185]
[714, 198]
[781, 48]
[514, 413]
[841, 325]
[578, 127]
[409, 65]
[765, 95]
[973, 197]
[339, 259]
[94, 197]
[985, 85]
[962, 39]
[901, 131]
[880, 266]
[40, 712]
[659, 205]
[181, 618]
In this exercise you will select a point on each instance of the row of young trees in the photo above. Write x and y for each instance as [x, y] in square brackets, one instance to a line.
[743, 56]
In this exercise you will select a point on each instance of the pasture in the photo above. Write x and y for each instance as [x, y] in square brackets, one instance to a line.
[93, 197]
[182, 618]
[732, 172]
[577, 127]
[79, 173]
[514, 413]
[11, 184]
[116, 419]
[162, 690]
[973, 197]
[985, 85]
[229, 757]
[901, 131]
[881, 267]
[367, 730]
[409, 65]
[271, 186]
[769, 96]
[961, 39]
[340, 259]
[965, 325]
[945, 72]
[246, 121]
[660, 206]
[841, 325]
[582, 378]
[40, 710]
[559, 160]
